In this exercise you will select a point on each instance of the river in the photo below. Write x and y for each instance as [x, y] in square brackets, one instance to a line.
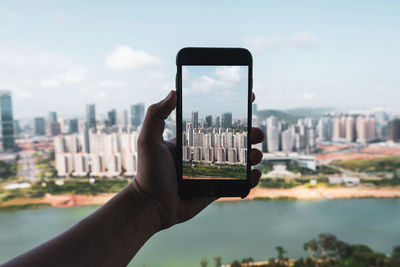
[232, 230]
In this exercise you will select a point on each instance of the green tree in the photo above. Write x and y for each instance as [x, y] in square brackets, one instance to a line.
[246, 261]
[395, 257]
[327, 243]
[236, 264]
[281, 252]
[217, 260]
[204, 262]
[312, 247]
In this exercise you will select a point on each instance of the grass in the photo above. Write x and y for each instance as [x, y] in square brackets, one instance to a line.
[382, 164]
[213, 170]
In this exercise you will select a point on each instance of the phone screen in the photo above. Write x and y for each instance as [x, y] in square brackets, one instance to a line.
[214, 118]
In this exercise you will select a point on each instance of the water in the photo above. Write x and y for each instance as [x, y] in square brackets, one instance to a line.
[233, 230]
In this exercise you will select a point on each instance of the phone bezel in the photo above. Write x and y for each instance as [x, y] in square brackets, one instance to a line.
[201, 56]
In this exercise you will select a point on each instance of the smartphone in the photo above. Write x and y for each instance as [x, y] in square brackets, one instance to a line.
[213, 118]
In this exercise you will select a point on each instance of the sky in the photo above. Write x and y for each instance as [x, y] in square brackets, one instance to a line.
[60, 55]
[213, 90]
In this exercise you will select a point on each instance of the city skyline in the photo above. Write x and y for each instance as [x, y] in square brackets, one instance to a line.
[301, 58]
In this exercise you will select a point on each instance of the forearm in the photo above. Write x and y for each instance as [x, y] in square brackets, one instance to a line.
[110, 236]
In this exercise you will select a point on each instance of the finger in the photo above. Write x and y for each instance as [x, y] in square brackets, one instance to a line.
[256, 135]
[153, 125]
[255, 156]
[253, 97]
[255, 176]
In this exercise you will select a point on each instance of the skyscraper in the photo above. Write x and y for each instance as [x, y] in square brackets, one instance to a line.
[209, 121]
[111, 118]
[137, 114]
[195, 119]
[227, 120]
[73, 125]
[53, 124]
[217, 122]
[7, 122]
[40, 126]
[350, 129]
[394, 130]
[272, 139]
[91, 115]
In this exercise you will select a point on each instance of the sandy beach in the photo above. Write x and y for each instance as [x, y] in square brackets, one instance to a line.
[301, 193]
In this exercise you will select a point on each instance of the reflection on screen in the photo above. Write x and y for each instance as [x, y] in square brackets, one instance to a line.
[214, 110]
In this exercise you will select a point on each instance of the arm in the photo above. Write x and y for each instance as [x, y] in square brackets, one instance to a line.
[110, 236]
[113, 234]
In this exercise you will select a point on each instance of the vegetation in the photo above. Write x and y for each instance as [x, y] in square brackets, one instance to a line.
[8, 170]
[25, 206]
[83, 187]
[328, 251]
[295, 168]
[383, 164]
[45, 163]
[214, 170]
[280, 115]
[309, 112]
[383, 182]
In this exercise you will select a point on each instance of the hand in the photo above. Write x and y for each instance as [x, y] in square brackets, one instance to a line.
[156, 178]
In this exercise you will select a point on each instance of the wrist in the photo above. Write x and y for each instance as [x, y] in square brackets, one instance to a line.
[148, 205]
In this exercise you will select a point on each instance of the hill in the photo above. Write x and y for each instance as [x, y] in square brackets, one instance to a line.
[280, 115]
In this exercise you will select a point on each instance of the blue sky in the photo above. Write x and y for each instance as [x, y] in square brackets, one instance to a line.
[213, 90]
[60, 55]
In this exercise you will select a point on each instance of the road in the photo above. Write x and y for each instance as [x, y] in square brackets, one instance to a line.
[28, 170]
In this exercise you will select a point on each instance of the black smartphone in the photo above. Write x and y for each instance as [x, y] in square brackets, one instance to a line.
[213, 118]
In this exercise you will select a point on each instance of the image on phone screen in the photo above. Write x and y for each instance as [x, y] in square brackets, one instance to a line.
[214, 118]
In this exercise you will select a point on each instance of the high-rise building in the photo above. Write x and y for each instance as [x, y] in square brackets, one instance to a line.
[325, 129]
[217, 122]
[137, 114]
[91, 115]
[7, 122]
[52, 116]
[54, 126]
[40, 126]
[209, 121]
[272, 139]
[227, 120]
[195, 119]
[394, 130]
[272, 122]
[350, 129]
[287, 141]
[73, 125]
[125, 119]
[111, 118]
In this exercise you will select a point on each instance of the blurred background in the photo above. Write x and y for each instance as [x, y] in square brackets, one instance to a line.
[76, 79]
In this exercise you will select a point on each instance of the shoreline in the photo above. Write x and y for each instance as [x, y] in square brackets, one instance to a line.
[296, 193]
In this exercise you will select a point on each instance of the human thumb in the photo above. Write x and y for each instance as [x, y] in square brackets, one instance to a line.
[153, 125]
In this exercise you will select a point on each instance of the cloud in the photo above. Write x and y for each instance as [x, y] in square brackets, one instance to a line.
[10, 15]
[222, 81]
[17, 92]
[75, 75]
[124, 58]
[308, 95]
[231, 74]
[101, 96]
[111, 84]
[301, 40]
